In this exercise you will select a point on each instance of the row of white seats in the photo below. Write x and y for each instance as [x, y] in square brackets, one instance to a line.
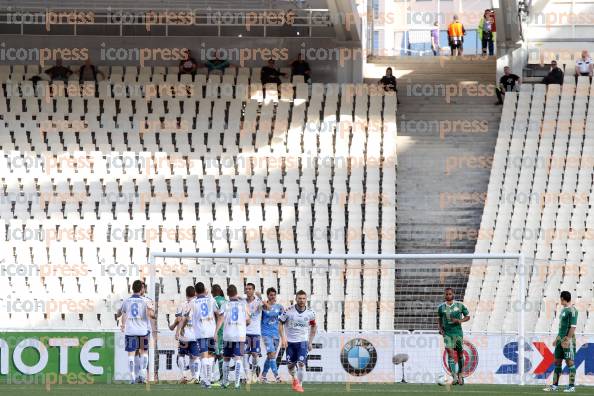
[539, 190]
[199, 89]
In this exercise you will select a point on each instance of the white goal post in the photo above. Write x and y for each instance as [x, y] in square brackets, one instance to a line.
[521, 270]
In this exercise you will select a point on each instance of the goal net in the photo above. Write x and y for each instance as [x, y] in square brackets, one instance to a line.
[376, 314]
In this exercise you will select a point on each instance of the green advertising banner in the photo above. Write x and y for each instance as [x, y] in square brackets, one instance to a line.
[56, 357]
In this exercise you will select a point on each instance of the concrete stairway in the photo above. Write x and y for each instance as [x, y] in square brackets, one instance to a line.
[447, 129]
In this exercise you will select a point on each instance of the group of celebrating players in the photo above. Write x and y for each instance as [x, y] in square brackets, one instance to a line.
[210, 328]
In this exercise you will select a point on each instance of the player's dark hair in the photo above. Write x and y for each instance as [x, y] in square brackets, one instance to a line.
[190, 291]
[448, 288]
[231, 290]
[565, 295]
[301, 293]
[137, 286]
[217, 291]
[251, 284]
[200, 289]
[270, 290]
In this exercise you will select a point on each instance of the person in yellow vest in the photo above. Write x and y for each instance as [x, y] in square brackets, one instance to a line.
[486, 32]
[456, 34]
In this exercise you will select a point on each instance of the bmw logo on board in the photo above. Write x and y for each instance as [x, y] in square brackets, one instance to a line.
[358, 357]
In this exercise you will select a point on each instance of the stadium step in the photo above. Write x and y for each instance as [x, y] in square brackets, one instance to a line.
[445, 151]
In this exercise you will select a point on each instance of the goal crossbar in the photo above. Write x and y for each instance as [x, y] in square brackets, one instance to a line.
[519, 257]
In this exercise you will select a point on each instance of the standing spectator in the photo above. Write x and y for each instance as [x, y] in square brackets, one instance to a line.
[58, 71]
[270, 74]
[299, 67]
[218, 63]
[435, 39]
[584, 66]
[555, 76]
[456, 34]
[486, 33]
[507, 83]
[188, 65]
[89, 72]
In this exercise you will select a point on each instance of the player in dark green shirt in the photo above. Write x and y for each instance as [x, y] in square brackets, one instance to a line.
[219, 296]
[450, 316]
[565, 343]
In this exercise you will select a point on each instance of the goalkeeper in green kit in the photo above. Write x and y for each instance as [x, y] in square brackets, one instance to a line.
[565, 343]
[451, 314]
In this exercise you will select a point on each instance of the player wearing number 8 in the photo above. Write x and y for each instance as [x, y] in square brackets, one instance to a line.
[136, 314]
[235, 315]
[451, 314]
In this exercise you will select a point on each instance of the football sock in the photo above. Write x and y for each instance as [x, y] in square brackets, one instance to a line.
[197, 367]
[205, 372]
[460, 362]
[571, 375]
[237, 372]
[225, 372]
[292, 371]
[273, 367]
[137, 364]
[300, 372]
[144, 365]
[221, 361]
[246, 366]
[131, 366]
[452, 365]
[254, 365]
[556, 375]
[266, 367]
[210, 361]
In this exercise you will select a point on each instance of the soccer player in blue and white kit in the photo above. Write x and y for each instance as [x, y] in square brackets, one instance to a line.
[270, 318]
[136, 318]
[186, 336]
[235, 315]
[297, 330]
[205, 327]
[254, 331]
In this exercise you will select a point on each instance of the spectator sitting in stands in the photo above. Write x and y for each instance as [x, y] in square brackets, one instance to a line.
[555, 76]
[269, 74]
[584, 66]
[507, 83]
[188, 65]
[299, 67]
[89, 72]
[388, 81]
[217, 63]
[58, 71]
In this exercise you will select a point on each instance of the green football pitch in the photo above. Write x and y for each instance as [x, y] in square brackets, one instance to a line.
[276, 390]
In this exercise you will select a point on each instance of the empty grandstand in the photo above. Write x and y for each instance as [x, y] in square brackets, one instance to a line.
[151, 149]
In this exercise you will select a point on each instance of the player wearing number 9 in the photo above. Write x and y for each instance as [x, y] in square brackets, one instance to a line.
[204, 310]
